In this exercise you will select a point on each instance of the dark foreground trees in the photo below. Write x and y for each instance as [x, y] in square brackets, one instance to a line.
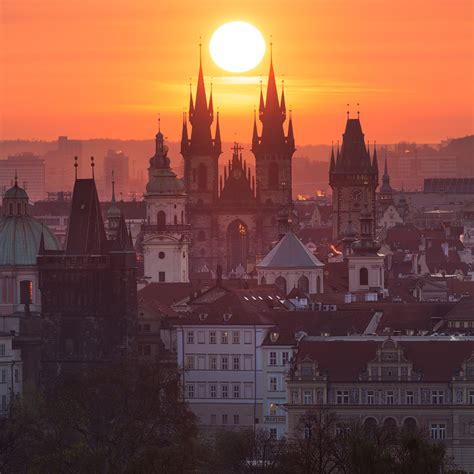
[122, 419]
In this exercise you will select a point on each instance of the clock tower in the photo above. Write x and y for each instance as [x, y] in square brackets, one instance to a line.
[353, 177]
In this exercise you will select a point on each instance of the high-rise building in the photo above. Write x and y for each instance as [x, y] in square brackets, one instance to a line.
[116, 162]
[30, 170]
[353, 177]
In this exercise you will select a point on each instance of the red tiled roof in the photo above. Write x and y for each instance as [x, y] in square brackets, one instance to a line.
[436, 360]
[166, 293]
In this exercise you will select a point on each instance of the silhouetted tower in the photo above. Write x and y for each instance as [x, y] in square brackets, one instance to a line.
[201, 152]
[353, 177]
[273, 150]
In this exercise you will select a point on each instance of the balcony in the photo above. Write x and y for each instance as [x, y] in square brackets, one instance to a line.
[274, 419]
[165, 228]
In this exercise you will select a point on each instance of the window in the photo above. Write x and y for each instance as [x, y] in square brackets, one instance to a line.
[190, 362]
[212, 362]
[4, 402]
[190, 391]
[236, 363]
[273, 433]
[2, 350]
[212, 337]
[161, 218]
[235, 337]
[225, 391]
[363, 276]
[295, 396]
[213, 391]
[370, 397]
[3, 376]
[247, 362]
[161, 255]
[307, 397]
[247, 337]
[273, 384]
[285, 358]
[409, 397]
[273, 409]
[161, 277]
[308, 431]
[26, 292]
[224, 363]
[224, 337]
[438, 430]
[201, 338]
[272, 358]
[471, 397]
[303, 284]
[236, 391]
[224, 419]
[342, 397]
[190, 337]
[389, 398]
[280, 282]
[437, 397]
[236, 420]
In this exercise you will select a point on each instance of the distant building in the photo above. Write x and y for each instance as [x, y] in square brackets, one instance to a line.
[116, 163]
[30, 170]
[59, 164]
[353, 177]
[449, 185]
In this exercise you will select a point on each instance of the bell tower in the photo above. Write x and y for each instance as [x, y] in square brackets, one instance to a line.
[200, 151]
[272, 149]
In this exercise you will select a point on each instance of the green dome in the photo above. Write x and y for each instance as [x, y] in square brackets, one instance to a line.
[20, 239]
[15, 192]
[164, 181]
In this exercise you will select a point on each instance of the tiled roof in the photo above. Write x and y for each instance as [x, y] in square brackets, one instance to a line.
[289, 252]
[165, 293]
[436, 360]
[464, 310]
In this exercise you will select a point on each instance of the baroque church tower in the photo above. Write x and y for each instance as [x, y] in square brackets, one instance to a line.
[166, 233]
[353, 177]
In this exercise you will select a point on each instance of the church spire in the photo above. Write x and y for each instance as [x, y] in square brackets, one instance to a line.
[375, 164]
[332, 165]
[217, 139]
[282, 102]
[261, 106]
[211, 106]
[184, 134]
[255, 138]
[191, 103]
[290, 139]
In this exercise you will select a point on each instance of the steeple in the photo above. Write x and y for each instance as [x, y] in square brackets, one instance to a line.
[217, 139]
[255, 138]
[332, 164]
[184, 135]
[385, 188]
[375, 165]
[282, 102]
[290, 138]
[261, 106]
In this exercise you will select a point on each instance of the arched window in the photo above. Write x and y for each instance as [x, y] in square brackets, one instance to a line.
[273, 176]
[18, 209]
[263, 281]
[370, 426]
[26, 292]
[318, 284]
[202, 177]
[237, 244]
[410, 424]
[303, 284]
[363, 276]
[175, 220]
[161, 218]
[280, 282]
[390, 427]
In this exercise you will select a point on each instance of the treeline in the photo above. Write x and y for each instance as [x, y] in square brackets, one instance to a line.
[131, 419]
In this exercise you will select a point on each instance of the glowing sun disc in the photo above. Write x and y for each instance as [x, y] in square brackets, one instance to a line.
[237, 46]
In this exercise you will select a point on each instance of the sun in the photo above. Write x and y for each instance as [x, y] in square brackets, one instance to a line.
[237, 46]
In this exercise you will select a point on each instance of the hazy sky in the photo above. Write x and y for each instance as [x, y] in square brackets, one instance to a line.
[105, 68]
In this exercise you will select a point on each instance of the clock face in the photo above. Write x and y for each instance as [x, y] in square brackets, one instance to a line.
[356, 195]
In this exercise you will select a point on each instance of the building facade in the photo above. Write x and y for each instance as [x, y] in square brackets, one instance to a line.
[395, 382]
[11, 377]
[353, 177]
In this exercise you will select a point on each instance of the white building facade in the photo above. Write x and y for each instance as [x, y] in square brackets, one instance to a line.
[10, 372]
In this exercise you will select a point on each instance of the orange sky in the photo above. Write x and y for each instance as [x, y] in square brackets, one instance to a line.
[105, 68]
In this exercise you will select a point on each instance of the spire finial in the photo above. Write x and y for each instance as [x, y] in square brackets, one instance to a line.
[75, 167]
[271, 48]
[200, 49]
[358, 112]
[16, 178]
[92, 166]
[159, 122]
[348, 111]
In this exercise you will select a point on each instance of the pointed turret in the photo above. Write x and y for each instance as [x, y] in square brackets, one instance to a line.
[217, 139]
[184, 135]
[41, 249]
[255, 138]
[291, 139]
[121, 237]
[375, 164]
[261, 106]
[282, 102]
[386, 189]
[332, 164]
[191, 103]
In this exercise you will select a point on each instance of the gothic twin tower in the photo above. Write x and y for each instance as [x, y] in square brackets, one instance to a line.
[232, 217]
